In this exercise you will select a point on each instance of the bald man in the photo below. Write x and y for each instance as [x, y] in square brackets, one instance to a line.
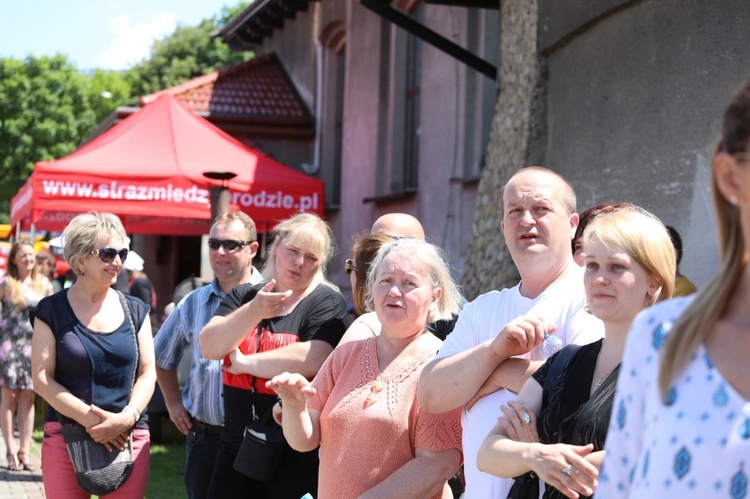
[398, 225]
[480, 362]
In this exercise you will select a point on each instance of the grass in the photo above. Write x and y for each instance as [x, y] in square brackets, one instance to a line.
[167, 478]
[167, 475]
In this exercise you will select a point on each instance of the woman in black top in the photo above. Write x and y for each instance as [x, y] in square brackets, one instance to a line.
[84, 358]
[629, 265]
[291, 323]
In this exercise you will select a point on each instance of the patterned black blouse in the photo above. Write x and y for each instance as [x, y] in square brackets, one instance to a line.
[569, 414]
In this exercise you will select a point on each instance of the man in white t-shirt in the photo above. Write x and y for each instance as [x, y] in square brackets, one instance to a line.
[497, 342]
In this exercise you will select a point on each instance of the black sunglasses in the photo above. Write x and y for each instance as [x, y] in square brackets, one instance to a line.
[229, 244]
[349, 266]
[107, 254]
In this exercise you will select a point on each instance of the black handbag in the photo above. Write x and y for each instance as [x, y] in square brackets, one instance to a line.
[98, 470]
[262, 445]
[526, 486]
[261, 450]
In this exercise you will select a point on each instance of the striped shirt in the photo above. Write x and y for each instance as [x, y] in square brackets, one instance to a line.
[202, 393]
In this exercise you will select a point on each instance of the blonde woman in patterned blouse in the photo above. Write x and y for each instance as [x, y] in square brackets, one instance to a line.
[680, 423]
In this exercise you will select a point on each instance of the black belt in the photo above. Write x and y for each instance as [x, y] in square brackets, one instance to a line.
[205, 428]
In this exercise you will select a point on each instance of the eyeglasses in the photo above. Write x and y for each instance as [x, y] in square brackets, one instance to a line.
[229, 244]
[349, 266]
[107, 254]
[744, 156]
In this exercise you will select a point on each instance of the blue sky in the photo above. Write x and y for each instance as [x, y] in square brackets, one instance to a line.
[106, 34]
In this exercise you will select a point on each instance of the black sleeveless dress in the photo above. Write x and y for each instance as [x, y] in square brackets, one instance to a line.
[571, 416]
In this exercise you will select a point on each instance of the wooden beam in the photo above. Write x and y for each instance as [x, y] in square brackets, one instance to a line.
[278, 11]
[269, 18]
[384, 9]
[258, 28]
[472, 4]
[248, 38]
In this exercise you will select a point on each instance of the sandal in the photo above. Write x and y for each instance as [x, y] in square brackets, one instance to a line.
[24, 463]
[12, 464]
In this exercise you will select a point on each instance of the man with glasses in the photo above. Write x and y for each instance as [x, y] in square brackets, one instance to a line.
[489, 356]
[198, 411]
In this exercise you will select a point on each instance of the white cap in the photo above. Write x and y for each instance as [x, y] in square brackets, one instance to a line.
[134, 261]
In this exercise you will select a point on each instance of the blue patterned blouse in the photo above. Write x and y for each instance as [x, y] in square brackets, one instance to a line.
[696, 446]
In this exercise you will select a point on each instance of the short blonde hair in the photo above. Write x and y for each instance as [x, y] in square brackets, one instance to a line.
[305, 230]
[428, 258]
[642, 236]
[85, 232]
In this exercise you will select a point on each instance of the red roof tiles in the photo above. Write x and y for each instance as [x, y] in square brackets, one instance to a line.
[258, 89]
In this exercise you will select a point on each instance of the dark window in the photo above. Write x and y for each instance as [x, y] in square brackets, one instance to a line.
[338, 131]
[411, 108]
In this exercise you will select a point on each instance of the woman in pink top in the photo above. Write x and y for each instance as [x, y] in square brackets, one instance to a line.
[375, 440]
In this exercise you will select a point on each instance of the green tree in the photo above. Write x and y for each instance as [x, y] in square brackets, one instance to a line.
[228, 13]
[48, 108]
[44, 113]
[188, 52]
[107, 90]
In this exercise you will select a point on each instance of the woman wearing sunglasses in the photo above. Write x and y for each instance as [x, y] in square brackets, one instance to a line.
[363, 252]
[291, 322]
[21, 290]
[88, 350]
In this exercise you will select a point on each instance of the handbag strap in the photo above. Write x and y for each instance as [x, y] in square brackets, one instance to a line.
[558, 365]
[126, 307]
[252, 378]
[129, 314]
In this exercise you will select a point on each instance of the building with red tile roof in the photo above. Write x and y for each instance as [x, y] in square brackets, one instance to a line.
[253, 99]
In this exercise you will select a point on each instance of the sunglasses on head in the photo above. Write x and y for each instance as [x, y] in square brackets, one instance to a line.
[107, 254]
[349, 266]
[229, 244]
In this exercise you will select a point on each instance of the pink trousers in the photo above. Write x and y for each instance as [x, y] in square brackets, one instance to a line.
[60, 479]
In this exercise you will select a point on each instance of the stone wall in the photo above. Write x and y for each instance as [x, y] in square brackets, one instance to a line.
[489, 265]
[634, 108]
[621, 97]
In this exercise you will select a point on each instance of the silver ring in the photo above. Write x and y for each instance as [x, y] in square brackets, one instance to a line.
[525, 418]
[568, 470]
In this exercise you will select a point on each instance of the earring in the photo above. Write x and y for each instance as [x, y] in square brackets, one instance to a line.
[733, 199]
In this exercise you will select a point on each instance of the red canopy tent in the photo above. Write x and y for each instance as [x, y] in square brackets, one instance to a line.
[149, 170]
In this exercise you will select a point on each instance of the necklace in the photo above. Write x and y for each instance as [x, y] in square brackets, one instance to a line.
[600, 381]
[604, 376]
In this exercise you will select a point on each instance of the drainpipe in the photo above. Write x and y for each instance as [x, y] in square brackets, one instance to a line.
[315, 166]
